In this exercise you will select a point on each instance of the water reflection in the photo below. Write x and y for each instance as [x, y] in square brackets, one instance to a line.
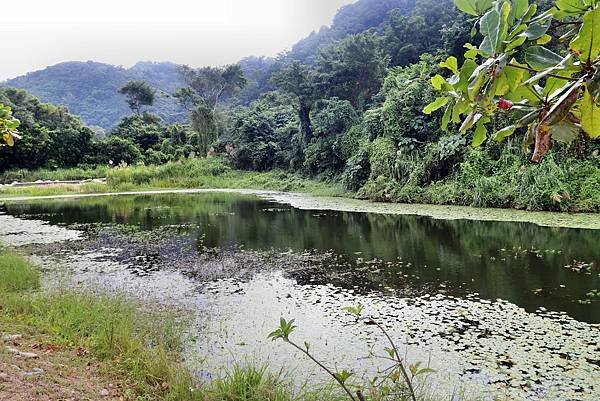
[528, 265]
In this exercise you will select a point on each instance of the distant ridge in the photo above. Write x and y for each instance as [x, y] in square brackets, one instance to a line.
[89, 89]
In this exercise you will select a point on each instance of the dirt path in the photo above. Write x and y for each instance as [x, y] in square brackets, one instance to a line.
[46, 183]
[33, 369]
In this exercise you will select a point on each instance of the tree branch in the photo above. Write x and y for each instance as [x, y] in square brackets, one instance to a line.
[548, 75]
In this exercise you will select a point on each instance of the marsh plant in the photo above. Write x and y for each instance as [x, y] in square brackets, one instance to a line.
[398, 382]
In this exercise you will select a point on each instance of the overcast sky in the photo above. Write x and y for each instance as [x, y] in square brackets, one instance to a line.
[38, 33]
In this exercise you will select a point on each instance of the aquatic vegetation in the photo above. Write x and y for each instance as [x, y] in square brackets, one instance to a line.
[240, 253]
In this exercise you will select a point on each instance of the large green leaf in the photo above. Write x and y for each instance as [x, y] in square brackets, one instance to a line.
[451, 63]
[569, 7]
[590, 116]
[538, 29]
[515, 43]
[465, 73]
[473, 7]
[436, 104]
[504, 132]
[446, 117]
[540, 58]
[440, 83]
[519, 8]
[564, 131]
[565, 65]
[461, 107]
[480, 133]
[587, 42]
[515, 76]
[491, 28]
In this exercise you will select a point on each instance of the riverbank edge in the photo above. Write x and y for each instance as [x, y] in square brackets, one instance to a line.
[307, 201]
[69, 329]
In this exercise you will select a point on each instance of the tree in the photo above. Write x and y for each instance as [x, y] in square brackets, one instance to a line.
[8, 125]
[49, 135]
[353, 69]
[138, 94]
[143, 130]
[206, 88]
[554, 92]
[408, 35]
[298, 80]
[116, 150]
[334, 117]
[210, 85]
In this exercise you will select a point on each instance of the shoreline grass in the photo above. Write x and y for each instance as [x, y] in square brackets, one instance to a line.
[216, 173]
[142, 349]
[185, 174]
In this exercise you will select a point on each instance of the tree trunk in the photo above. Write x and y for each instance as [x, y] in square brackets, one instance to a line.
[305, 125]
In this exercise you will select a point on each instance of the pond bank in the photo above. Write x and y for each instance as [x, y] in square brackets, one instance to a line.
[313, 202]
[67, 343]
[463, 294]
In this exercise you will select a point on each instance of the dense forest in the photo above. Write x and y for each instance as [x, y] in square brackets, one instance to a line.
[344, 104]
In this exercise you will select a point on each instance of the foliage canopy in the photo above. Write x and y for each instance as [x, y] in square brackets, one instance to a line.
[545, 66]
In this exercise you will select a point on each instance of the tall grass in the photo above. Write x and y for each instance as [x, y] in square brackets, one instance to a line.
[213, 172]
[16, 273]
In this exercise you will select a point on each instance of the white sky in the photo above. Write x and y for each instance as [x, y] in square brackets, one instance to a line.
[38, 33]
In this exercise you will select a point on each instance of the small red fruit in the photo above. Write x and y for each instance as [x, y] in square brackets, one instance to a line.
[505, 104]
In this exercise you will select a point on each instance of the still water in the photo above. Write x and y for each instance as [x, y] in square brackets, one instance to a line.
[503, 303]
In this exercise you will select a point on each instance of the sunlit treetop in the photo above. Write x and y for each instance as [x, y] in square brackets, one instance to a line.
[542, 66]
[8, 126]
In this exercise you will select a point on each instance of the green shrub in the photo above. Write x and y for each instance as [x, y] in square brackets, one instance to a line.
[357, 171]
[544, 186]
[382, 156]
[322, 157]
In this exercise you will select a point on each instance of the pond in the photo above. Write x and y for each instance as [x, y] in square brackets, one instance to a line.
[503, 308]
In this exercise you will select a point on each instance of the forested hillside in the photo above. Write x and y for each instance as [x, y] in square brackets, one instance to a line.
[357, 104]
[90, 89]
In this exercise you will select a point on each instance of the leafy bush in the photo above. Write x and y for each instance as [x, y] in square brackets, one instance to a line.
[335, 117]
[357, 171]
[251, 144]
[407, 90]
[115, 150]
[322, 157]
[382, 156]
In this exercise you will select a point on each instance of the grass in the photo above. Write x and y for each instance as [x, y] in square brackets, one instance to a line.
[142, 348]
[214, 173]
[16, 274]
[69, 174]
[189, 173]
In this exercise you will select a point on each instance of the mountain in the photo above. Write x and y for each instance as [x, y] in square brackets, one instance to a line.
[350, 19]
[90, 89]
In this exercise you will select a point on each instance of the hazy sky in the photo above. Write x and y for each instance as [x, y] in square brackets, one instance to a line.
[38, 33]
